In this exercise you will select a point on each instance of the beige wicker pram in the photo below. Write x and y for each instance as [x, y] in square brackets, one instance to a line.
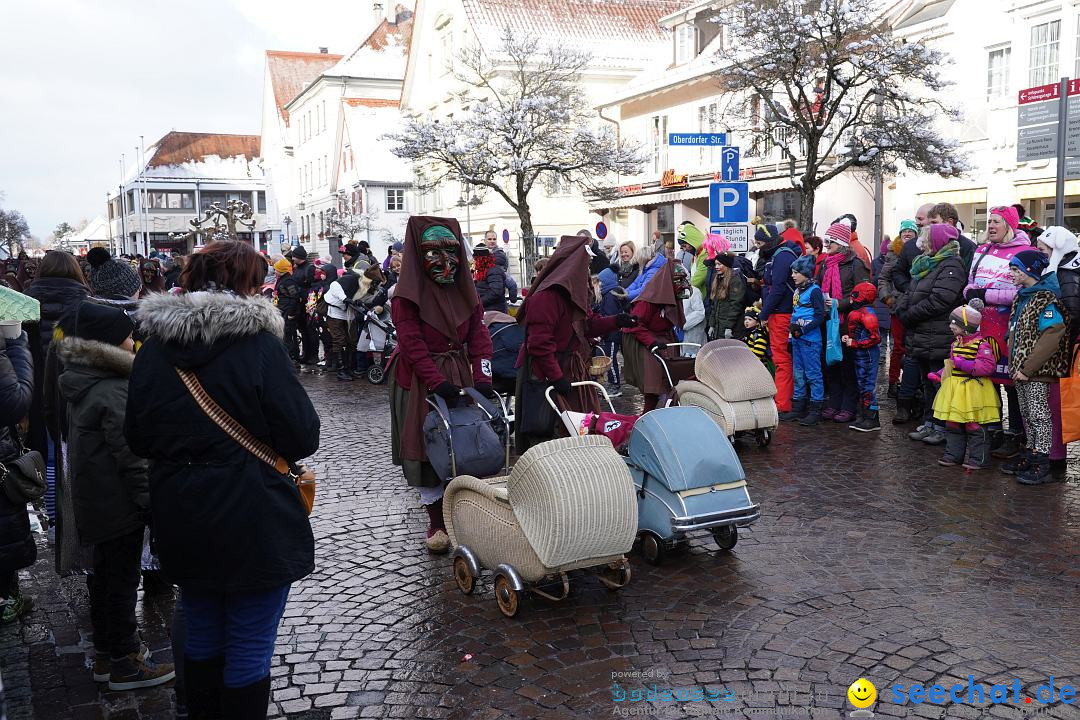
[734, 388]
[567, 504]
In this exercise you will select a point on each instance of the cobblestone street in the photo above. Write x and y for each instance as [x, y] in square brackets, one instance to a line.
[869, 560]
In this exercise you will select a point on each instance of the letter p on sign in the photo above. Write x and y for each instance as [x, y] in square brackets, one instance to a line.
[729, 202]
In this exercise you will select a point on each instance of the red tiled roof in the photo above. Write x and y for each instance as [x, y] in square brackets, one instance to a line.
[630, 20]
[291, 72]
[177, 148]
[369, 102]
[379, 38]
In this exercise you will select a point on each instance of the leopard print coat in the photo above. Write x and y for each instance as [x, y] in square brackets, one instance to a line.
[1025, 336]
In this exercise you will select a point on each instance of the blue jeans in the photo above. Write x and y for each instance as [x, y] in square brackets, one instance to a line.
[866, 368]
[240, 626]
[806, 365]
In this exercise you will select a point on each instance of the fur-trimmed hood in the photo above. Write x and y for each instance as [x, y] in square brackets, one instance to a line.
[204, 318]
[89, 362]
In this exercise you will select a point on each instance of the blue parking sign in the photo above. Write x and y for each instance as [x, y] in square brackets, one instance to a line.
[729, 202]
[729, 163]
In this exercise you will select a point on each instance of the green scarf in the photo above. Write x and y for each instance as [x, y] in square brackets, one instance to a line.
[923, 264]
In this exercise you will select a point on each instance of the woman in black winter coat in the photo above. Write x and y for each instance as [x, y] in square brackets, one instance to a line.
[937, 285]
[231, 531]
[17, 548]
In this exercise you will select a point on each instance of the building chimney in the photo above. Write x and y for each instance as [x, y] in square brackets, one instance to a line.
[377, 13]
[324, 51]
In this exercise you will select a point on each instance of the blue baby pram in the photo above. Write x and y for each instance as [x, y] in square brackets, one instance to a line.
[688, 477]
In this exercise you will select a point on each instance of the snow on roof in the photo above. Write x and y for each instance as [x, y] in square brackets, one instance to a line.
[291, 72]
[186, 155]
[614, 30]
[366, 120]
[95, 231]
[382, 54]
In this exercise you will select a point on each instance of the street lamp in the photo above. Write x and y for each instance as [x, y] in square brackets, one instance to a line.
[287, 221]
[472, 202]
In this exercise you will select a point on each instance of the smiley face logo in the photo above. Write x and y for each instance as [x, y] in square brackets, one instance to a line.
[862, 693]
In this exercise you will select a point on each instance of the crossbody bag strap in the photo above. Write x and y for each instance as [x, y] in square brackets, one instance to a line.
[229, 425]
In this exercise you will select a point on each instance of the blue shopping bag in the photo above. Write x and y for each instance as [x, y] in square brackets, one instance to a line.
[834, 350]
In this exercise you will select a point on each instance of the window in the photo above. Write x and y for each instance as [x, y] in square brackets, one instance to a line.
[301, 138]
[157, 200]
[326, 169]
[659, 143]
[260, 201]
[318, 125]
[1043, 57]
[395, 199]
[324, 115]
[206, 199]
[997, 73]
[446, 40]
[685, 43]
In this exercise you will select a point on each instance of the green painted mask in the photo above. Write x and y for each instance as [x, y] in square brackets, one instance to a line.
[439, 252]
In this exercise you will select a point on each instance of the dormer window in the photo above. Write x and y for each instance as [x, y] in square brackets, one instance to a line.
[685, 43]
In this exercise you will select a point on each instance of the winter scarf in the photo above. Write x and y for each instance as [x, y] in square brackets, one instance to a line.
[830, 283]
[923, 264]
[482, 263]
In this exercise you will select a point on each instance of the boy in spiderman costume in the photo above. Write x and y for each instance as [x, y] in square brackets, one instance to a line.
[863, 338]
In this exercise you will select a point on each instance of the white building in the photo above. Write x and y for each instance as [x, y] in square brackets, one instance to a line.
[624, 37]
[998, 49]
[681, 95]
[308, 174]
[185, 174]
[94, 234]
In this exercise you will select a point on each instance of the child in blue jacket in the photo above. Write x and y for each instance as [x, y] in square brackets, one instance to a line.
[613, 301]
[807, 318]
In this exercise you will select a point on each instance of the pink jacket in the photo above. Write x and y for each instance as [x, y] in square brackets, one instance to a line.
[990, 270]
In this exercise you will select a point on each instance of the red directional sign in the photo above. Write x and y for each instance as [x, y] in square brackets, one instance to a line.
[1040, 93]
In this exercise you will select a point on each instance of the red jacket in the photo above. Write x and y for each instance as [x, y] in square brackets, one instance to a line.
[549, 331]
[650, 324]
[862, 328]
[417, 341]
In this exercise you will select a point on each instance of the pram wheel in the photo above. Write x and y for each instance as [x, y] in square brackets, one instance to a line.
[505, 595]
[376, 374]
[763, 437]
[463, 576]
[726, 536]
[652, 549]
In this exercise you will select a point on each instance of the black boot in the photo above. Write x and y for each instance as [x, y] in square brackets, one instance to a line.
[1018, 464]
[868, 421]
[1012, 447]
[894, 390]
[903, 411]
[344, 373]
[1037, 472]
[813, 416]
[248, 702]
[205, 679]
[797, 412]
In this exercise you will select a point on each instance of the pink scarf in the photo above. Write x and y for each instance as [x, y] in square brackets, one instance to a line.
[830, 283]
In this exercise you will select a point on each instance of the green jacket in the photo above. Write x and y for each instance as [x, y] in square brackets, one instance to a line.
[110, 485]
[693, 236]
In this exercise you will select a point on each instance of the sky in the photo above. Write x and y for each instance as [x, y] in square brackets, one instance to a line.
[83, 79]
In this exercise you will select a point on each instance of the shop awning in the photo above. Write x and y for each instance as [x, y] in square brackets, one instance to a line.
[1045, 189]
[770, 184]
[955, 197]
[659, 198]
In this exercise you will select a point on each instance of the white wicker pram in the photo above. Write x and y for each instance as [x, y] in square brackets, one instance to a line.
[567, 504]
[734, 388]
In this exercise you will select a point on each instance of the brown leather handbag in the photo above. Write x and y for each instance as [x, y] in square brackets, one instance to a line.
[302, 477]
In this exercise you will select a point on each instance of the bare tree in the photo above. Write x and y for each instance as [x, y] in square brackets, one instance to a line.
[826, 81]
[527, 121]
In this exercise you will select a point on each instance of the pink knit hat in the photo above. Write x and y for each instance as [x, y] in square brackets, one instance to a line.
[839, 233]
[1008, 214]
[941, 235]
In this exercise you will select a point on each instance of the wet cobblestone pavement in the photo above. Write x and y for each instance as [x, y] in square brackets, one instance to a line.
[870, 560]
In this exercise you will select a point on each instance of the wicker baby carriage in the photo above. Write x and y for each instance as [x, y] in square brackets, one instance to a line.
[734, 388]
[567, 504]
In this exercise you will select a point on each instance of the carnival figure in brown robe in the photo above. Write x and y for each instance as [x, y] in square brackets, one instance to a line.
[659, 313]
[558, 320]
[442, 347]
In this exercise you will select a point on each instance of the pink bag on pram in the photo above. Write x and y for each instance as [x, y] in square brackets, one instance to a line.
[614, 427]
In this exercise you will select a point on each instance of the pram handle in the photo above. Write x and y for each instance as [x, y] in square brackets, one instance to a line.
[583, 383]
[440, 407]
[663, 363]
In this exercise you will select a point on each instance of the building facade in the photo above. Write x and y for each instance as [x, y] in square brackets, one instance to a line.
[625, 39]
[998, 49]
[185, 174]
[307, 174]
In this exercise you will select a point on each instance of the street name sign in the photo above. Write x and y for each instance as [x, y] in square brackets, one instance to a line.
[729, 202]
[698, 139]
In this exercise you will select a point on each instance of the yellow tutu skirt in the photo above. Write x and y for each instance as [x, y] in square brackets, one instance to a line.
[967, 400]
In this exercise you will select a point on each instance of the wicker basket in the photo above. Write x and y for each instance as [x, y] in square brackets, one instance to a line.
[599, 366]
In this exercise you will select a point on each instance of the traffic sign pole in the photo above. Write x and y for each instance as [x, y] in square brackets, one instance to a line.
[1059, 186]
